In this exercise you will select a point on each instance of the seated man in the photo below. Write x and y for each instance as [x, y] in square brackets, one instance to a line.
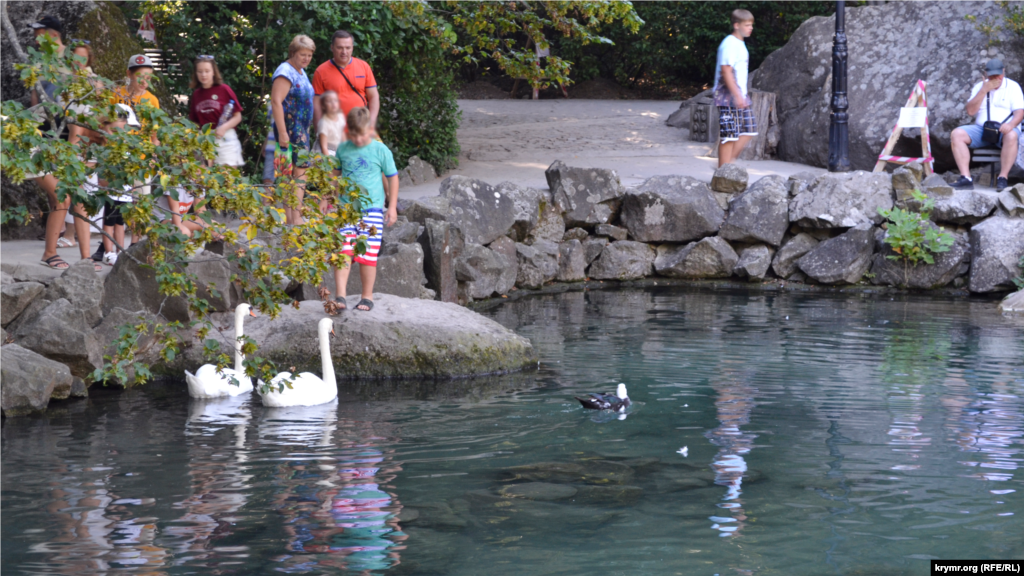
[997, 98]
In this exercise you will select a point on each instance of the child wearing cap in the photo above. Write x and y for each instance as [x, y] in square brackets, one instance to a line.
[140, 74]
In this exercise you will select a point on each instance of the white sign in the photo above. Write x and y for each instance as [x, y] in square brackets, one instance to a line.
[912, 117]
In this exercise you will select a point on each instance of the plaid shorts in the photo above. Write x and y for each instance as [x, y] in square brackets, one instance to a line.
[371, 221]
[735, 122]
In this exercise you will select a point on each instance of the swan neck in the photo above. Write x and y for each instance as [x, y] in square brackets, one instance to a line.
[325, 358]
[239, 322]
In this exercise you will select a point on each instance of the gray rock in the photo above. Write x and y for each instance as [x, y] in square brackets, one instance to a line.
[924, 276]
[936, 185]
[479, 209]
[575, 234]
[916, 168]
[399, 338]
[800, 182]
[1013, 303]
[81, 286]
[401, 232]
[550, 225]
[420, 209]
[949, 60]
[108, 332]
[6, 278]
[613, 232]
[59, 331]
[28, 380]
[844, 258]
[784, 263]
[671, 209]
[997, 245]
[525, 207]
[1012, 200]
[962, 206]
[543, 491]
[761, 214]
[624, 260]
[78, 388]
[538, 264]
[586, 196]
[753, 262]
[399, 272]
[417, 172]
[841, 200]
[481, 269]
[905, 180]
[442, 244]
[730, 179]
[134, 287]
[572, 262]
[708, 258]
[16, 297]
[506, 248]
[592, 248]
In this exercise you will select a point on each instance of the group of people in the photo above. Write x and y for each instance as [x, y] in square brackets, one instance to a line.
[340, 107]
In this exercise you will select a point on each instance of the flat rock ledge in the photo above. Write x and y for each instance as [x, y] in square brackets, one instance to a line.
[399, 338]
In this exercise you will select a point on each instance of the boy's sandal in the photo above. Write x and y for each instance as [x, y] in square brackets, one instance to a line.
[367, 303]
[56, 262]
[341, 304]
[63, 242]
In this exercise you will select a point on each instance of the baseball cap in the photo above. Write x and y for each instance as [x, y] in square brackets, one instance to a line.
[49, 22]
[994, 66]
[140, 61]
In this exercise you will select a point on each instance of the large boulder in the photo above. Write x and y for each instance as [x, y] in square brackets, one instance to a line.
[550, 225]
[399, 338]
[420, 209]
[15, 298]
[572, 262]
[82, 286]
[134, 286]
[708, 258]
[671, 209]
[59, 331]
[538, 264]
[1013, 303]
[1012, 200]
[399, 272]
[844, 258]
[483, 270]
[761, 214]
[505, 247]
[479, 209]
[28, 381]
[932, 41]
[624, 260]
[442, 245]
[753, 262]
[963, 206]
[843, 200]
[946, 267]
[997, 245]
[525, 207]
[586, 196]
[784, 264]
[418, 171]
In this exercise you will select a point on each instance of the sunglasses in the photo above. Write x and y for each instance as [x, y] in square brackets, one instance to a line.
[204, 57]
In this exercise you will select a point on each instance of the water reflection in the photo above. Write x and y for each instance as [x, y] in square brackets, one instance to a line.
[333, 496]
[733, 403]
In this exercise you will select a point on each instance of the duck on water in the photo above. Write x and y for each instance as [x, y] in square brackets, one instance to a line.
[617, 402]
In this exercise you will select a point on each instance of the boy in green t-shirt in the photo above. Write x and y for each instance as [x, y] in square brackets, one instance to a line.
[367, 162]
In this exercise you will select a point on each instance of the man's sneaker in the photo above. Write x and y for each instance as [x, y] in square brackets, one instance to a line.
[110, 258]
[963, 183]
[98, 254]
[1001, 183]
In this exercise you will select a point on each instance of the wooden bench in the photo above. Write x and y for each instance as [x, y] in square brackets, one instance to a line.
[988, 155]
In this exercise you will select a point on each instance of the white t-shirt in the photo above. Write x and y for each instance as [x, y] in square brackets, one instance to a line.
[733, 52]
[333, 129]
[1004, 100]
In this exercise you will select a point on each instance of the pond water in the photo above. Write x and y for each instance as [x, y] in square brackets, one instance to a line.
[824, 435]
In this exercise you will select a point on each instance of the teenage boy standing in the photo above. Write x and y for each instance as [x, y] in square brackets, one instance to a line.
[736, 123]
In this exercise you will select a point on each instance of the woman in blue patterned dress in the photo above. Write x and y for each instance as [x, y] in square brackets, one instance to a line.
[291, 98]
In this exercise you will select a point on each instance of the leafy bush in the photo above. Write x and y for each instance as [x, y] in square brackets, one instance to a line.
[912, 236]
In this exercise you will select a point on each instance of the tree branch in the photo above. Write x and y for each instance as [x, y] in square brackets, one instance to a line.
[13, 34]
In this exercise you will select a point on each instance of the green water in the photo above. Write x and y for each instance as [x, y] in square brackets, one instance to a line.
[824, 435]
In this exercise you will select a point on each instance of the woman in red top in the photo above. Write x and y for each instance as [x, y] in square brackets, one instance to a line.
[214, 102]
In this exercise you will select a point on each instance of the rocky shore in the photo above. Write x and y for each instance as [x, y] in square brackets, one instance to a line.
[477, 241]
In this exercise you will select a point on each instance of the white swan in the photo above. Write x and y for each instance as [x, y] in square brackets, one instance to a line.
[307, 389]
[207, 382]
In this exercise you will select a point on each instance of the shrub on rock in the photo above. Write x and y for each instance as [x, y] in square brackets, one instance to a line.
[671, 209]
[946, 266]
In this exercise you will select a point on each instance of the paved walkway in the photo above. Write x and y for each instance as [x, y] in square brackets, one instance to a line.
[517, 140]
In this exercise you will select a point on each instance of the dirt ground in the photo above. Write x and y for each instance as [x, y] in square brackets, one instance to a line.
[516, 140]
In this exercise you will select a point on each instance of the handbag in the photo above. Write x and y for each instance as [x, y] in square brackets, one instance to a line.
[990, 129]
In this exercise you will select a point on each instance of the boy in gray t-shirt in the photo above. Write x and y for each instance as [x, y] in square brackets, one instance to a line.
[736, 123]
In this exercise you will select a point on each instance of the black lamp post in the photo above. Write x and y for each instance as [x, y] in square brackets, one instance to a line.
[838, 129]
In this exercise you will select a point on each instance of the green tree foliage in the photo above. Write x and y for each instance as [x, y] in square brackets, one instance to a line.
[419, 115]
[128, 160]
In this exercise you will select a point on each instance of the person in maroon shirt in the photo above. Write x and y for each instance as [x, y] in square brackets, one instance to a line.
[213, 102]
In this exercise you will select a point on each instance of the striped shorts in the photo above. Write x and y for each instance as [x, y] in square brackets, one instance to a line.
[735, 122]
[372, 220]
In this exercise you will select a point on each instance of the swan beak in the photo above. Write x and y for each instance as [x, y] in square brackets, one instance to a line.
[252, 313]
[332, 331]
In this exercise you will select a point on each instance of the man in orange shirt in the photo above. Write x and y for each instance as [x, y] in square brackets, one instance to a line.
[350, 77]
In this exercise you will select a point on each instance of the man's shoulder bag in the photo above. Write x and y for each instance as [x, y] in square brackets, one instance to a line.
[990, 129]
[360, 94]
